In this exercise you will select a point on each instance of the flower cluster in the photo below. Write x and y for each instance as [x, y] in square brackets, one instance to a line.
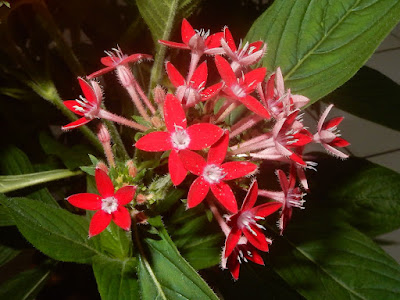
[190, 128]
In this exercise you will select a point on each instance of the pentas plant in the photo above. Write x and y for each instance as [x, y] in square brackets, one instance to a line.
[211, 156]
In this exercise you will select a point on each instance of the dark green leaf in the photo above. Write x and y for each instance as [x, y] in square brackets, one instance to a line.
[369, 95]
[72, 157]
[5, 218]
[319, 45]
[324, 259]
[7, 254]
[25, 285]
[116, 242]
[116, 279]
[362, 193]
[164, 274]
[54, 231]
[15, 182]
[15, 162]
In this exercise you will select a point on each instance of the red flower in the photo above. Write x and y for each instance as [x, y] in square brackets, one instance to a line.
[244, 56]
[178, 137]
[245, 222]
[329, 136]
[109, 206]
[212, 174]
[88, 106]
[112, 61]
[197, 41]
[192, 92]
[241, 88]
[242, 252]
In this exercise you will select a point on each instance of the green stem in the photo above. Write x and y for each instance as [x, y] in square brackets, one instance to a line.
[120, 148]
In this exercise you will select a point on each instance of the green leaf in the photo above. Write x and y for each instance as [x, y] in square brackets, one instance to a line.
[163, 273]
[15, 182]
[54, 231]
[7, 254]
[161, 16]
[324, 259]
[369, 95]
[116, 242]
[116, 279]
[72, 157]
[319, 45]
[25, 285]
[16, 162]
[362, 193]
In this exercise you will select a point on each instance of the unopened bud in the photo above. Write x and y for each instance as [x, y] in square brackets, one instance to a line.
[139, 217]
[102, 166]
[132, 170]
[103, 134]
[125, 76]
[140, 199]
[159, 94]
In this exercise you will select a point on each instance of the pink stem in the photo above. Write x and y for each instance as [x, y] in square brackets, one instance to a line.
[221, 116]
[144, 97]
[136, 100]
[194, 60]
[120, 120]
[244, 124]
[225, 228]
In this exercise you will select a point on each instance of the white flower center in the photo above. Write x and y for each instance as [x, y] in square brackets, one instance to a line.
[180, 139]
[238, 91]
[213, 174]
[109, 204]
[245, 219]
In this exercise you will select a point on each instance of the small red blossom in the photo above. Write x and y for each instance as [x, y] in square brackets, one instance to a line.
[87, 106]
[192, 92]
[329, 136]
[178, 137]
[213, 174]
[243, 252]
[240, 88]
[244, 56]
[198, 41]
[109, 206]
[118, 58]
[244, 222]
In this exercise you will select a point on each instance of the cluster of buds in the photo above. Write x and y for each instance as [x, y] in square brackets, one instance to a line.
[217, 152]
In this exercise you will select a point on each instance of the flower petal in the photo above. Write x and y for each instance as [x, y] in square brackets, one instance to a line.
[174, 75]
[100, 72]
[109, 61]
[225, 196]
[266, 209]
[72, 105]
[229, 39]
[232, 240]
[211, 91]
[197, 192]
[99, 222]
[176, 168]
[251, 197]
[256, 237]
[135, 57]
[255, 257]
[203, 135]
[88, 91]
[237, 169]
[214, 40]
[75, 124]
[234, 267]
[217, 152]
[252, 78]
[339, 142]
[174, 115]
[87, 201]
[255, 106]
[122, 218]
[187, 31]
[283, 181]
[125, 194]
[174, 44]
[155, 142]
[104, 183]
[192, 161]
[225, 70]
[200, 75]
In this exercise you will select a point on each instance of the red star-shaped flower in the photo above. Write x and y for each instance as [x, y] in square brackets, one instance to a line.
[213, 174]
[245, 222]
[199, 41]
[240, 88]
[243, 252]
[192, 92]
[109, 206]
[178, 137]
[87, 106]
[113, 60]
[329, 136]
